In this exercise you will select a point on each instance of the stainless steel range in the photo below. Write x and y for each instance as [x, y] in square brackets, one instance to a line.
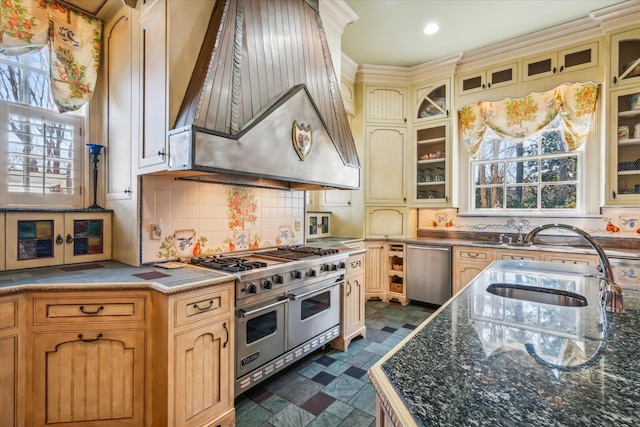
[287, 305]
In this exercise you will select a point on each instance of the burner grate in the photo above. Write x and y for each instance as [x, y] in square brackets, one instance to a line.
[233, 265]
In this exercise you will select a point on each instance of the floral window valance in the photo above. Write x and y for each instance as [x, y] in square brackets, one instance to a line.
[74, 38]
[520, 118]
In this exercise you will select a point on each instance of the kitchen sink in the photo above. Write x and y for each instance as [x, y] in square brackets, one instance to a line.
[538, 295]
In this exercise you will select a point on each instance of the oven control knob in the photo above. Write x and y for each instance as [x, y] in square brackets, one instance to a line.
[251, 288]
[278, 279]
[296, 274]
[334, 267]
[325, 267]
[266, 284]
[342, 264]
[311, 273]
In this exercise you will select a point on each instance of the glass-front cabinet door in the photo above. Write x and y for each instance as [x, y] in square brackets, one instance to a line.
[432, 101]
[624, 147]
[431, 171]
[625, 58]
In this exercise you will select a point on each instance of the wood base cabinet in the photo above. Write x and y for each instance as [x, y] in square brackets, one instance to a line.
[92, 377]
[11, 362]
[353, 303]
[200, 359]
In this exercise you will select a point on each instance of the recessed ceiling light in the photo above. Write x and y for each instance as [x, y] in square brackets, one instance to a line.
[431, 28]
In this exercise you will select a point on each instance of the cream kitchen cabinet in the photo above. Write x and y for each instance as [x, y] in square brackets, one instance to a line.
[37, 239]
[387, 221]
[515, 255]
[569, 258]
[375, 274]
[162, 49]
[490, 78]
[12, 361]
[623, 151]
[396, 288]
[89, 358]
[121, 126]
[563, 61]
[431, 169]
[353, 303]
[384, 166]
[198, 366]
[432, 101]
[625, 58]
[468, 262]
[386, 105]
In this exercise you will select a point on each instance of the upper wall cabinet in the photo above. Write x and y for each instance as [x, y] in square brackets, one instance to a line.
[625, 58]
[432, 101]
[432, 171]
[384, 166]
[563, 61]
[491, 78]
[165, 45]
[386, 105]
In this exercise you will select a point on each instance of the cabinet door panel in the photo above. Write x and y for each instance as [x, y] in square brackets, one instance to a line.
[9, 380]
[385, 167]
[203, 384]
[96, 377]
[386, 105]
[34, 240]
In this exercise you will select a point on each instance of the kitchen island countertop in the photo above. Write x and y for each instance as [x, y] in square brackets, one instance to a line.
[486, 360]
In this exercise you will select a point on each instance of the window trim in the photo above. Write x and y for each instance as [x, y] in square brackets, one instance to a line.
[590, 189]
[13, 199]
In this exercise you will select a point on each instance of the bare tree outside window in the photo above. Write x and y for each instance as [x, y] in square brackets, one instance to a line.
[538, 173]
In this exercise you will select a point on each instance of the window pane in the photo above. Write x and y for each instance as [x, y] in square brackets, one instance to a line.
[559, 196]
[526, 148]
[38, 91]
[39, 59]
[489, 198]
[522, 172]
[489, 173]
[559, 169]
[553, 142]
[10, 82]
[522, 197]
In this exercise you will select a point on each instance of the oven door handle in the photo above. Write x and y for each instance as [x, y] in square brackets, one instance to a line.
[243, 313]
[294, 297]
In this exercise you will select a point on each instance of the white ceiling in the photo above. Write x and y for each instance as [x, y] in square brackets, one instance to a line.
[389, 32]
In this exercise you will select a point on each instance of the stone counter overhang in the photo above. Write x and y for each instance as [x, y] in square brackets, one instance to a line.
[110, 275]
[467, 364]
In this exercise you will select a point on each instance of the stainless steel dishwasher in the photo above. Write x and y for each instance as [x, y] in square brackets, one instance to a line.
[428, 274]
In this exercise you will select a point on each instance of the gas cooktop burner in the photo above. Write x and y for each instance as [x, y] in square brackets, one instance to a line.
[228, 264]
[300, 252]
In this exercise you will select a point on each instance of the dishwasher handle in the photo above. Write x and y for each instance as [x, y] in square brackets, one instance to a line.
[431, 248]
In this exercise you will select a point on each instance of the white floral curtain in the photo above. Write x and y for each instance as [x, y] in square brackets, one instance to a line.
[74, 38]
[521, 118]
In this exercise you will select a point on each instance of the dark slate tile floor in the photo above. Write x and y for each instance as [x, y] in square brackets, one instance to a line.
[330, 387]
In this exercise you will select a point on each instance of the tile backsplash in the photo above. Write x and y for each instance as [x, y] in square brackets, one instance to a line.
[198, 218]
[614, 222]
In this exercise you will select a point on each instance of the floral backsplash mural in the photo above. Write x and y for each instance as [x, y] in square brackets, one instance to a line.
[203, 219]
[614, 222]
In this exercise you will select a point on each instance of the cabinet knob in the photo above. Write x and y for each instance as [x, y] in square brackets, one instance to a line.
[554, 70]
[161, 153]
[613, 194]
[489, 85]
[484, 86]
[561, 68]
[59, 240]
[69, 238]
[615, 79]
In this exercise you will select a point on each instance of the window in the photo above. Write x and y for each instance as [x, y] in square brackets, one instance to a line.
[40, 149]
[538, 173]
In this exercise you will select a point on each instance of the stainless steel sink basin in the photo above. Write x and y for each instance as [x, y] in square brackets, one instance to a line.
[538, 295]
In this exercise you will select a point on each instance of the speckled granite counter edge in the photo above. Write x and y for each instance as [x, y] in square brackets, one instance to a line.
[122, 286]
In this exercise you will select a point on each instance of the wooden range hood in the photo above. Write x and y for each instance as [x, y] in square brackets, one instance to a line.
[264, 69]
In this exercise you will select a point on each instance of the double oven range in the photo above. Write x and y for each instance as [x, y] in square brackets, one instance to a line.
[287, 305]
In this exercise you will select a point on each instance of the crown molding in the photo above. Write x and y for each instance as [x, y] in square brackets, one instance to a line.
[349, 68]
[337, 14]
[598, 24]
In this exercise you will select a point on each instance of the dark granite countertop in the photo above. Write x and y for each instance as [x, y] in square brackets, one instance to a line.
[106, 274]
[468, 364]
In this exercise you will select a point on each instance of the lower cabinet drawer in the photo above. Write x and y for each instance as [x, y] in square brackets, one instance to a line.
[88, 309]
[355, 264]
[193, 308]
